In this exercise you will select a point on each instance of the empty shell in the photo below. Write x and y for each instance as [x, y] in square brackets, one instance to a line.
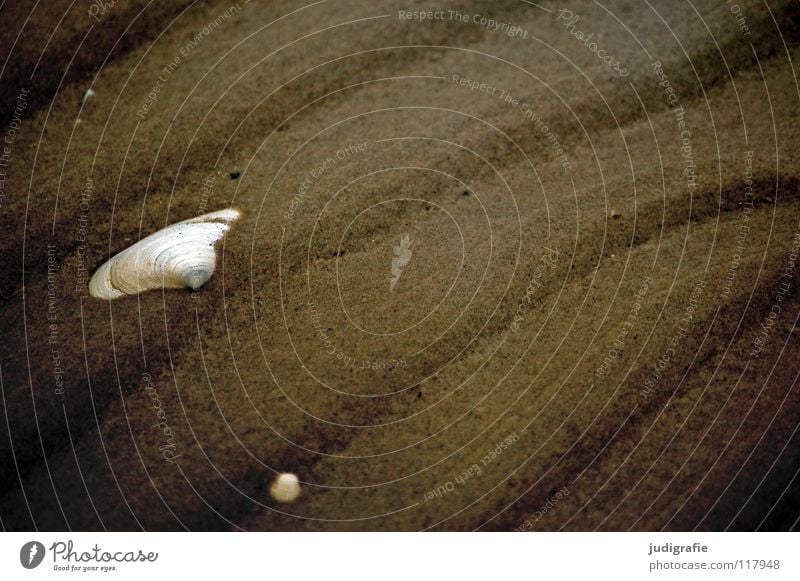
[179, 256]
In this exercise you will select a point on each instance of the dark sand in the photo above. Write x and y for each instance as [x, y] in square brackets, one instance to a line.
[606, 315]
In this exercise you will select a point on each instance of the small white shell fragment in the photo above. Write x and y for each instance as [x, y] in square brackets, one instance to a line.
[285, 488]
[179, 256]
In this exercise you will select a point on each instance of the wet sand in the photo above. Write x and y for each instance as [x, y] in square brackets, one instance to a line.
[592, 324]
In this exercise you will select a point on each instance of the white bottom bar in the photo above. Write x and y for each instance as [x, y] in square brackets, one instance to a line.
[370, 556]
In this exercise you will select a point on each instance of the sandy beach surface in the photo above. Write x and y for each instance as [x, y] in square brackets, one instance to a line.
[501, 265]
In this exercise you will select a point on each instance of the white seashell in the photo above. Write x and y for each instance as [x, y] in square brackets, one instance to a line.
[285, 488]
[179, 256]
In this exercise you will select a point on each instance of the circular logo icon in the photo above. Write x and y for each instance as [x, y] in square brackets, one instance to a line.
[31, 554]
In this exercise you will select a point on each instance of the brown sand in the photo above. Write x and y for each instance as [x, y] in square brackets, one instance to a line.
[599, 338]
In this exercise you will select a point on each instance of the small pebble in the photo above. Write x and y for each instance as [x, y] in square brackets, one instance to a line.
[285, 488]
